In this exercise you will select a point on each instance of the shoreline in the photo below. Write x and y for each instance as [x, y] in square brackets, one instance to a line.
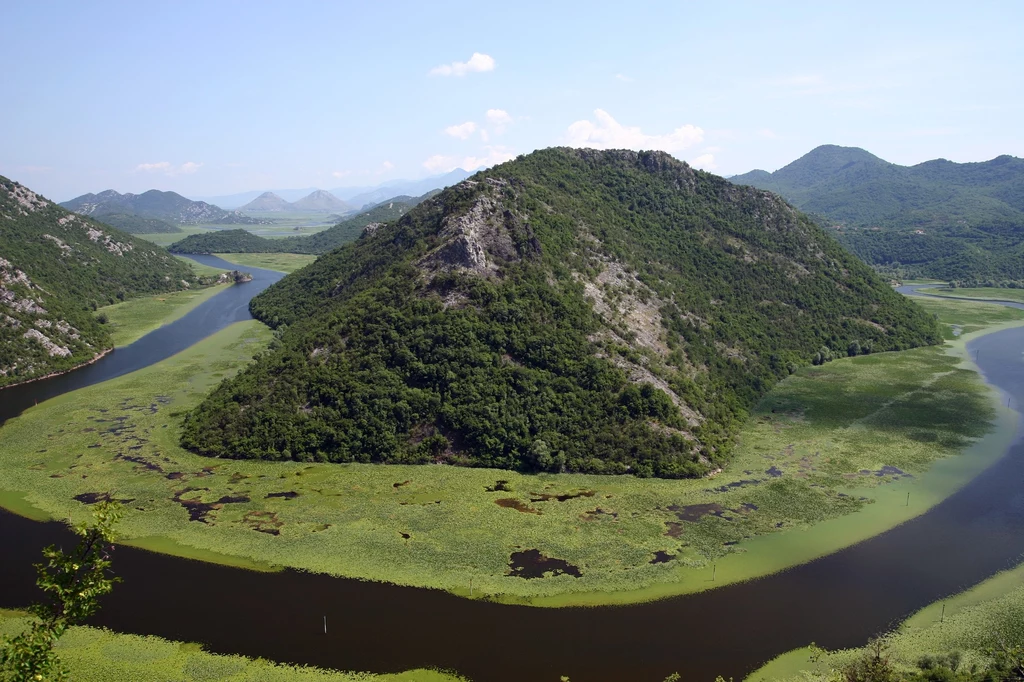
[96, 358]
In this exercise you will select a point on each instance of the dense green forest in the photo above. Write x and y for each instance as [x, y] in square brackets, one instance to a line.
[962, 221]
[243, 241]
[605, 312]
[55, 269]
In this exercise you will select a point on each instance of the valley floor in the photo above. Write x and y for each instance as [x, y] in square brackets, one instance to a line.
[827, 459]
[281, 262]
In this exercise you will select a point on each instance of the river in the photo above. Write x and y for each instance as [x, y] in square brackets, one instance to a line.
[837, 601]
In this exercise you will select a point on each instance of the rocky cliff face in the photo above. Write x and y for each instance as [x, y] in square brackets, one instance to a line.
[55, 268]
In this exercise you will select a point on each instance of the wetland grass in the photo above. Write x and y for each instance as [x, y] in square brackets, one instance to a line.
[992, 293]
[99, 655]
[130, 321]
[281, 262]
[968, 623]
[825, 460]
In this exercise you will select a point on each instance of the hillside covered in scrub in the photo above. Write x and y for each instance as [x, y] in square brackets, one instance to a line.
[57, 267]
[953, 221]
[581, 310]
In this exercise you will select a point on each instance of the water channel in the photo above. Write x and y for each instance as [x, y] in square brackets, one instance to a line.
[837, 601]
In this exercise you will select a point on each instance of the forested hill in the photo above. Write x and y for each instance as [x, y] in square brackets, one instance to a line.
[169, 207]
[136, 224]
[56, 267]
[939, 218]
[600, 311]
[243, 241]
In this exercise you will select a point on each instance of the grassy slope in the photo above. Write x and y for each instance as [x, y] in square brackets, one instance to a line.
[100, 655]
[969, 624]
[131, 320]
[348, 519]
[281, 262]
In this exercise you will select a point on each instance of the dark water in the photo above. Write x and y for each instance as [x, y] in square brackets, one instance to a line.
[837, 601]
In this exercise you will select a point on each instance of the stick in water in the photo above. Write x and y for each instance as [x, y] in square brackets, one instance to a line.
[325, 625]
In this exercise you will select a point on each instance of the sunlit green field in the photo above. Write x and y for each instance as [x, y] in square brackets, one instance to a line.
[967, 623]
[993, 293]
[822, 463]
[133, 319]
[199, 268]
[97, 655]
[281, 262]
[166, 239]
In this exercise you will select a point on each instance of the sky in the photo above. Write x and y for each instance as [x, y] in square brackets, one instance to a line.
[216, 97]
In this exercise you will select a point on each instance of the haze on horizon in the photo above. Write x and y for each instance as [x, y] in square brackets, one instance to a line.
[218, 98]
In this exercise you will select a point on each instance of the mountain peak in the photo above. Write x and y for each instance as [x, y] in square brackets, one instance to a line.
[268, 201]
[574, 309]
[321, 200]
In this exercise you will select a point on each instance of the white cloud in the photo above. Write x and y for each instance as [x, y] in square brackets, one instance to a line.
[461, 131]
[704, 162]
[499, 120]
[498, 117]
[624, 78]
[341, 174]
[484, 135]
[440, 164]
[607, 133]
[386, 166]
[768, 134]
[477, 63]
[491, 155]
[151, 167]
[167, 168]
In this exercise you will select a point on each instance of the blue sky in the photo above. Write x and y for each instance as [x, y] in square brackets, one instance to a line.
[217, 97]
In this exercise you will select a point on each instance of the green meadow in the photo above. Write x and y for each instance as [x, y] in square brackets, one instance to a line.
[200, 269]
[99, 655]
[281, 262]
[826, 459]
[991, 293]
[167, 238]
[133, 319]
[967, 623]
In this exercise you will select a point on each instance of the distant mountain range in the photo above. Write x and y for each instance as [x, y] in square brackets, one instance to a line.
[358, 198]
[170, 207]
[347, 230]
[317, 201]
[962, 221]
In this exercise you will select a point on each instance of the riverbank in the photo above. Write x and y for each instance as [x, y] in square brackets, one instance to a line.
[96, 358]
[809, 477]
[131, 320]
[967, 623]
[100, 655]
